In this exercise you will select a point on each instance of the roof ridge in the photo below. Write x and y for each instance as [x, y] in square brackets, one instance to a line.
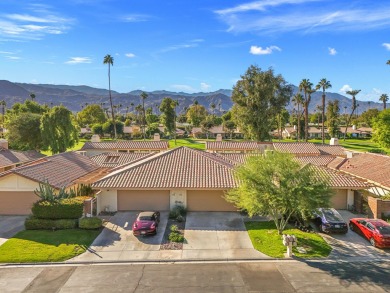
[211, 156]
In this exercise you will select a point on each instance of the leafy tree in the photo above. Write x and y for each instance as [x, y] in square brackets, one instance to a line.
[182, 118]
[150, 117]
[32, 96]
[258, 97]
[24, 132]
[324, 85]
[207, 124]
[98, 129]
[353, 93]
[333, 118]
[280, 120]
[152, 129]
[27, 107]
[381, 129]
[109, 60]
[90, 115]
[196, 114]
[368, 116]
[306, 87]
[276, 185]
[230, 127]
[108, 127]
[227, 116]
[58, 130]
[384, 99]
[167, 108]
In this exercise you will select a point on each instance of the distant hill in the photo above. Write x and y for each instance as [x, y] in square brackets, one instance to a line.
[76, 97]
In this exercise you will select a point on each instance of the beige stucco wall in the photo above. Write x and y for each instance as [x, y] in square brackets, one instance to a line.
[15, 182]
[107, 198]
[339, 199]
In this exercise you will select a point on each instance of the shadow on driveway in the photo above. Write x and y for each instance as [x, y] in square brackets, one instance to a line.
[9, 226]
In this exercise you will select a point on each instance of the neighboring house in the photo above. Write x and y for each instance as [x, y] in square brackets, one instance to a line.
[10, 159]
[313, 132]
[353, 131]
[304, 149]
[213, 132]
[132, 130]
[116, 159]
[85, 130]
[127, 146]
[180, 176]
[237, 146]
[17, 185]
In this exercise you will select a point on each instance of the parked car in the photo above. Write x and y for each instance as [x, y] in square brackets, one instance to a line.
[146, 223]
[376, 231]
[330, 221]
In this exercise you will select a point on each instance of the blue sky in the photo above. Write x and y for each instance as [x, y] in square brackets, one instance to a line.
[194, 46]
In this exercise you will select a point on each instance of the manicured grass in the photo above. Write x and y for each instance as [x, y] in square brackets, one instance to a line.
[46, 246]
[265, 239]
[188, 143]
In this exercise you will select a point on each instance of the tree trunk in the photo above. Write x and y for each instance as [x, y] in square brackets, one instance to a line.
[306, 121]
[299, 125]
[323, 118]
[112, 108]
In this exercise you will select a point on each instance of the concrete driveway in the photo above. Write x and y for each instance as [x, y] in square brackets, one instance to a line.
[217, 235]
[9, 226]
[353, 244]
[117, 242]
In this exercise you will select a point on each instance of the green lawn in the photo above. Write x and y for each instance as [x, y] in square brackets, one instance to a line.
[188, 142]
[265, 239]
[46, 246]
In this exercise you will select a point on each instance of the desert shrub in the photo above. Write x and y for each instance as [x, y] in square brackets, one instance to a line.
[176, 237]
[69, 208]
[33, 223]
[180, 218]
[90, 223]
[174, 228]
[177, 211]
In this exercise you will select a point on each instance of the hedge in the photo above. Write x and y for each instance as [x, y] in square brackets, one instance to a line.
[33, 223]
[70, 208]
[90, 223]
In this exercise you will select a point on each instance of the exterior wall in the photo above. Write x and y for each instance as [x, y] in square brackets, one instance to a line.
[378, 207]
[107, 200]
[208, 201]
[15, 182]
[138, 200]
[177, 197]
[339, 199]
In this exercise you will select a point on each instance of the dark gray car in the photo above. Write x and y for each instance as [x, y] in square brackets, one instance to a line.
[330, 221]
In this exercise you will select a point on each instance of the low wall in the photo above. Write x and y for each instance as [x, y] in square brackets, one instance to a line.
[378, 207]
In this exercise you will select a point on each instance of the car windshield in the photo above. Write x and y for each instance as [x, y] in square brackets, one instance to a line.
[145, 218]
[384, 230]
[332, 216]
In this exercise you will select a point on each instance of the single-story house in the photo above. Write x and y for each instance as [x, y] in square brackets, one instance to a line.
[17, 185]
[117, 159]
[237, 146]
[305, 149]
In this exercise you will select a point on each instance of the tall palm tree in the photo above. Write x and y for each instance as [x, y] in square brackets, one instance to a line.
[3, 104]
[109, 60]
[32, 96]
[324, 85]
[132, 107]
[388, 62]
[384, 98]
[298, 100]
[306, 87]
[352, 93]
[143, 97]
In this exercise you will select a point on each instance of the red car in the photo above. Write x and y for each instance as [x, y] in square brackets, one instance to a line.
[376, 231]
[146, 223]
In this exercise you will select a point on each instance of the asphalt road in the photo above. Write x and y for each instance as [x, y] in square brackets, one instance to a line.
[262, 276]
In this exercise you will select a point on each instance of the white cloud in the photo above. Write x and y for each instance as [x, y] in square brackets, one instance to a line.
[345, 88]
[266, 51]
[183, 88]
[78, 60]
[386, 45]
[12, 57]
[332, 51]
[136, 18]
[130, 55]
[204, 86]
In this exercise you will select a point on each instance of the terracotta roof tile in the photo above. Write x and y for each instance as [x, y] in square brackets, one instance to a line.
[177, 168]
[236, 145]
[336, 163]
[316, 160]
[334, 150]
[297, 148]
[10, 157]
[112, 160]
[59, 170]
[236, 158]
[126, 145]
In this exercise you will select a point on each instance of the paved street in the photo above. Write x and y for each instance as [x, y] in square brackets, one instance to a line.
[262, 276]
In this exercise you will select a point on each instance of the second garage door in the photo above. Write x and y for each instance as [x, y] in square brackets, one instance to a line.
[208, 201]
[16, 202]
[142, 200]
[339, 199]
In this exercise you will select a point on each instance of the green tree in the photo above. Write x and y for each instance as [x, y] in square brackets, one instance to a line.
[144, 96]
[98, 129]
[367, 117]
[333, 118]
[24, 132]
[280, 120]
[207, 124]
[257, 98]
[167, 108]
[58, 130]
[306, 87]
[381, 129]
[27, 107]
[277, 186]
[108, 127]
[384, 99]
[352, 93]
[323, 84]
[109, 60]
[196, 114]
[230, 127]
[32, 96]
[298, 101]
[90, 115]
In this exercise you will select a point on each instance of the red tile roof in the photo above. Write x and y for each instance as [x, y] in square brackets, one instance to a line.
[112, 160]
[297, 148]
[236, 158]
[334, 150]
[59, 170]
[316, 160]
[126, 145]
[10, 157]
[373, 167]
[177, 168]
[236, 145]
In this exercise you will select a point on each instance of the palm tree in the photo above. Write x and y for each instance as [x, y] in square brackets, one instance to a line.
[388, 62]
[143, 97]
[324, 85]
[213, 107]
[352, 93]
[384, 98]
[109, 60]
[3, 104]
[32, 96]
[132, 107]
[298, 100]
[306, 87]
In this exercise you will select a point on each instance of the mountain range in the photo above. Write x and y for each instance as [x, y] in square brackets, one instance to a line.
[76, 97]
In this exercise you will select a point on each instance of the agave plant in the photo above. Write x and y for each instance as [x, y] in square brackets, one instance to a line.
[48, 193]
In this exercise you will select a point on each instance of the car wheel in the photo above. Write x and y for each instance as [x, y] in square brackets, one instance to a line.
[352, 227]
[372, 241]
